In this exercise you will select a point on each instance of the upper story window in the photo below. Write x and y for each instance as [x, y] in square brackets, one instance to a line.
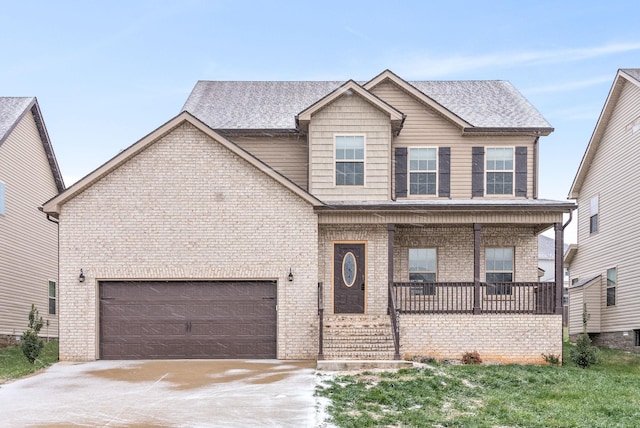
[423, 171]
[612, 282]
[349, 160]
[593, 214]
[2, 199]
[498, 269]
[500, 171]
[422, 268]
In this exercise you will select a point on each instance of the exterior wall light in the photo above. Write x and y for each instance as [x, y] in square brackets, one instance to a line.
[81, 277]
[290, 276]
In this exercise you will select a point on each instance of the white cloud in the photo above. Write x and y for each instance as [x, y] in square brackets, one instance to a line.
[424, 66]
[570, 86]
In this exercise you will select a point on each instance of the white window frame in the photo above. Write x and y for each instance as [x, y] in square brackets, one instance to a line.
[613, 286]
[3, 198]
[594, 208]
[423, 287]
[363, 161]
[419, 171]
[505, 291]
[512, 170]
[54, 298]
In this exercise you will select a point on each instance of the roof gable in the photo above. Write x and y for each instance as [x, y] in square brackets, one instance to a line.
[350, 87]
[12, 110]
[623, 75]
[54, 205]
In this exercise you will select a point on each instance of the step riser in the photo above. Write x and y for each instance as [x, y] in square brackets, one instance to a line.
[355, 337]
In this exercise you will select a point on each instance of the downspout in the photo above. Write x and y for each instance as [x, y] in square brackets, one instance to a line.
[535, 167]
[57, 223]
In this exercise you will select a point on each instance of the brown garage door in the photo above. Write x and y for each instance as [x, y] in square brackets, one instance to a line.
[146, 320]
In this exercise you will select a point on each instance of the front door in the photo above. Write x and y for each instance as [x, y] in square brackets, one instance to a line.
[348, 278]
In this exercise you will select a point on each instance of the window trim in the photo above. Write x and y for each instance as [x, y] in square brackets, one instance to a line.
[363, 161]
[512, 170]
[506, 290]
[613, 287]
[594, 211]
[436, 171]
[54, 297]
[3, 198]
[422, 288]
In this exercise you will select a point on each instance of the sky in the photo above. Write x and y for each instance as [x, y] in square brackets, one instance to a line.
[107, 73]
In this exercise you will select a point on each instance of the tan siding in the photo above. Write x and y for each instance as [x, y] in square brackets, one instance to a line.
[350, 115]
[614, 175]
[145, 221]
[287, 155]
[28, 250]
[576, 301]
[425, 127]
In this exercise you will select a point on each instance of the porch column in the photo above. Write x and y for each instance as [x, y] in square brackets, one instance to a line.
[393, 312]
[391, 233]
[477, 228]
[559, 255]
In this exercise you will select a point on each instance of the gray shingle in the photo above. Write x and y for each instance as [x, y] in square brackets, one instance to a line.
[633, 72]
[11, 108]
[274, 104]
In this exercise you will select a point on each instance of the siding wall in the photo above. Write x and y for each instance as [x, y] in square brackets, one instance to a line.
[425, 127]
[350, 114]
[158, 217]
[286, 154]
[614, 175]
[28, 241]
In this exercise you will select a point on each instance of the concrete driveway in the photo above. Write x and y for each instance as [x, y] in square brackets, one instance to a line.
[167, 393]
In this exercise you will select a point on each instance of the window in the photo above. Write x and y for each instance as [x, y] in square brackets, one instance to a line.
[350, 160]
[593, 215]
[422, 268]
[500, 171]
[636, 340]
[498, 270]
[422, 171]
[2, 198]
[52, 297]
[575, 281]
[612, 281]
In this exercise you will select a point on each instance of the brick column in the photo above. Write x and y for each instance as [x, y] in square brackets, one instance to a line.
[477, 228]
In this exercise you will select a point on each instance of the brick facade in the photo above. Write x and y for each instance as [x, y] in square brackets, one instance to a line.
[497, 338]
[186, 208]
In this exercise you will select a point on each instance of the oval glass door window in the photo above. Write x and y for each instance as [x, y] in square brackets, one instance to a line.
[349, 268]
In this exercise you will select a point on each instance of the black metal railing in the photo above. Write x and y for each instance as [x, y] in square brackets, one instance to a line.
[320, 323]
[395, 322]
[461, 297]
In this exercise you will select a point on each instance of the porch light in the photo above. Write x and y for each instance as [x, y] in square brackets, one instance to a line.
[290, 276]
[81, 277]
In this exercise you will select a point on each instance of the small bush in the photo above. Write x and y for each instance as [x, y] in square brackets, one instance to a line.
[31, 344]
[471, 358]
[551, 359]
[584, 354]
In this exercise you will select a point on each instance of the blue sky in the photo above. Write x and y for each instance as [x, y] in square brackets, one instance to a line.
[108, 73]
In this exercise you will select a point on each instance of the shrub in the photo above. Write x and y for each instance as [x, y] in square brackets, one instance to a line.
[551, 359]
[471, 358]
[584, 354]
[31, 344]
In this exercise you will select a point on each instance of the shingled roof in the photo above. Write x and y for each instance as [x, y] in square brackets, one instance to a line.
[263, 105]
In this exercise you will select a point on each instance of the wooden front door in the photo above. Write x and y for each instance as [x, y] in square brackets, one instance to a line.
[348, 278]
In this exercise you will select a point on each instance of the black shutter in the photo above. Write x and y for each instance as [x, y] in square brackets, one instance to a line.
[521, 171]
[444, 172]
[477, 171]
[401, 172]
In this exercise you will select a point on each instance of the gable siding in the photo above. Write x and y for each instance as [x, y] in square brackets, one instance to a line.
[614, 175]
[423, 126]
[350, 114]
[286, 155]
[29, 242]
[186, 208]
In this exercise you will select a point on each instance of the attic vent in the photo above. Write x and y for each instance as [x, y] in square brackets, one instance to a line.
[634, 126]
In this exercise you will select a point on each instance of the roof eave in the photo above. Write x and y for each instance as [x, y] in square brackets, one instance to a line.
[563, 207]
[533, 131]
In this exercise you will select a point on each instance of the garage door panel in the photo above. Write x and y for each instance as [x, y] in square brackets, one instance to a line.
[187, 320]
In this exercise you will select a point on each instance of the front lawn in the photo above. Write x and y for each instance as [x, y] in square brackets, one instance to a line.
[442, 395]
[13, 363]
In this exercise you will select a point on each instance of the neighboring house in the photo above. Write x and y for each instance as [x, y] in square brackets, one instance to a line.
[29, 174]
[603, 266]
[546, 265]
[301, 220]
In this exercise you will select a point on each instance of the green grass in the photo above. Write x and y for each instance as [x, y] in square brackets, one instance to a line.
[13, 363]
[604, 395]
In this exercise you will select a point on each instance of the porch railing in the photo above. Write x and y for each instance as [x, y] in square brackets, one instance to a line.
[458, 297]
[320, 323]
[395, 322]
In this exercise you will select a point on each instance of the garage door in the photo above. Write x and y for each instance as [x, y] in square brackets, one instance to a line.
[148, 320]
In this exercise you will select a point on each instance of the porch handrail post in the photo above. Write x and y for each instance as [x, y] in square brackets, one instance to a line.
[477, 228]
[320, 323]
[393, 312]
[559, 255]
